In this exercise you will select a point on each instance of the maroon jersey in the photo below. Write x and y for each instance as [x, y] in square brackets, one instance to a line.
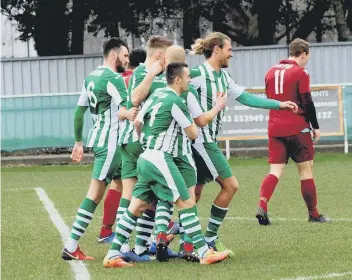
[286, 81]
[126, 76]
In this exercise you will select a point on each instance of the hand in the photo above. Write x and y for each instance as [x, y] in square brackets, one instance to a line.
[77, 152]
[289, 105]
[156, 68]
[316, 135]
[132, 113]
[221, 100]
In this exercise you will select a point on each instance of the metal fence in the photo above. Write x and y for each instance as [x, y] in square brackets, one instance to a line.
[330, 63]
[46, 121]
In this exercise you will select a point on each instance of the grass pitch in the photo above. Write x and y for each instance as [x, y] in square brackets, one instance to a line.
[290, 248]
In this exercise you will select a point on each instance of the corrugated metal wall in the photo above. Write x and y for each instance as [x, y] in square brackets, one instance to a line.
[39, 121]
[330, 63]
[46, 75]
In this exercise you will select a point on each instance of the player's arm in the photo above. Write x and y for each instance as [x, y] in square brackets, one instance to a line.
[129, 114]
[116, 88]
[180, 114]
[239, 94]
[78, 122]
[200, 117]
[138, 125]
[308, 104]
[309, 109]
[142, 84]
[139, 121]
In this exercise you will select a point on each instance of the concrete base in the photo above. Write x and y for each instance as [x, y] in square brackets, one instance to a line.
[59, 159]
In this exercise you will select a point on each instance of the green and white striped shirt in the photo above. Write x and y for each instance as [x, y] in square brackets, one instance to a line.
[129, 134]
[164, 114]
[104, 92]
[193, 106]
[208, 84]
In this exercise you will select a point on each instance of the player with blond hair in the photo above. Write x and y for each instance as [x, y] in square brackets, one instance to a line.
[138, 90]
[211, 80]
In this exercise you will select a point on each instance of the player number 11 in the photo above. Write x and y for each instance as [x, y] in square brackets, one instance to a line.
[279, 81]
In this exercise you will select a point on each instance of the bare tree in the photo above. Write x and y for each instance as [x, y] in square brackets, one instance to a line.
[343, 31]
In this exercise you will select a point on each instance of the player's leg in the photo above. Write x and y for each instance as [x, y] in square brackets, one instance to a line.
[106, 163]
[144, 230]
[129, 153]
[212, 165]
[141, 197]
[172, 187]
[278, 156]
[157, 165]
[145, 223]
[188, 170]
[189, 220]
[116, 257]
[111, 203]
[302, 152]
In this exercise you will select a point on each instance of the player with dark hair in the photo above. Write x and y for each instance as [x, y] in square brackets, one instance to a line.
[103, 92]
[289, 133]
[112, 198]
[137, 56]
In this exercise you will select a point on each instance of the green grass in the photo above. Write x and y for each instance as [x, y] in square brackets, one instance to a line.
[31, 245]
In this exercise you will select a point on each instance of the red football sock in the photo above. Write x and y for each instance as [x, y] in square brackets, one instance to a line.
[267, 189]
[111, 203]
[161, 237]
[188, 247]
[309, 194]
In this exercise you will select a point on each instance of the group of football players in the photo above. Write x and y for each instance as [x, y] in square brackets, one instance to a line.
[154, 139]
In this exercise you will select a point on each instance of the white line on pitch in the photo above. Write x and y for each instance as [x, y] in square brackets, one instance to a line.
[78, 267]
[279, 219]
[254, 219]
[18, 189]
[324, 276]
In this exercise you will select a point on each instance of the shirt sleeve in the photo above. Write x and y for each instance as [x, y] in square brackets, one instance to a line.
[193, 103]
[83, 98]
[197, 79]
[304, 82]
[137, 78]
[234, 90]
[180, 113]
[79, 122]
[140, 115]
[116, 88]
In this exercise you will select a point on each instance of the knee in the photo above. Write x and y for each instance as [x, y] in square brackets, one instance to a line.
[184, 204]
[141, 209]
[231, 186]
[116, 185]
[235, 186]
[137, 208]
[96, 190]
[305, 175]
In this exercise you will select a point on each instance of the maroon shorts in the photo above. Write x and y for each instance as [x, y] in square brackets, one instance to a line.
[299, 147]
